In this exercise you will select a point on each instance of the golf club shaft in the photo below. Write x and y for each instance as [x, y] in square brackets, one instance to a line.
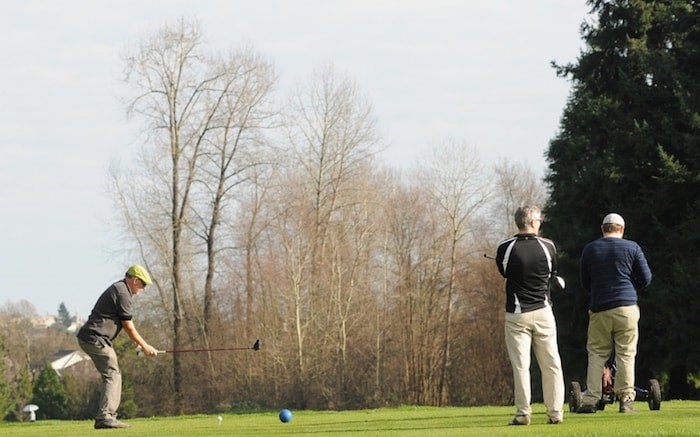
[182, 351]
[254, 347]
[489, 256]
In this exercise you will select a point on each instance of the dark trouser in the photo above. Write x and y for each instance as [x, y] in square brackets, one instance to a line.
[105, 360]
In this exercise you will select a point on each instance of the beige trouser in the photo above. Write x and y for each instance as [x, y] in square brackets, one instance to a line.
[536, 330]
[612, 330]
[105, 360]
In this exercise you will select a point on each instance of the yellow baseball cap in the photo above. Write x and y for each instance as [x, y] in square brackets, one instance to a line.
[136, 271]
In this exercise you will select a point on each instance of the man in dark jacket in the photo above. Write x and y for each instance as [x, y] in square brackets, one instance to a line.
[529, 263]
[111, 313]
[613, 269]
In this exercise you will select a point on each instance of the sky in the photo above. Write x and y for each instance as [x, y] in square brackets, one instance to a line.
[470, 70]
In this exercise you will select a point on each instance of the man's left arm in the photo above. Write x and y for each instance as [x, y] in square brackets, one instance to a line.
[641, 273]
[500, 254]
[555, 262]
[556, 282]
[585, 274]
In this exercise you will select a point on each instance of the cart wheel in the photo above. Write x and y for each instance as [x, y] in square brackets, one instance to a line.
[654, 395]
[600, 405]
[574, 396]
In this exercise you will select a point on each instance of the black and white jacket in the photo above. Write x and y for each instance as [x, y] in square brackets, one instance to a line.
[527, 262]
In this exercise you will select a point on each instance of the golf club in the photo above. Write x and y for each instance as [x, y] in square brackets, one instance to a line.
[489, 256]
[255, 347]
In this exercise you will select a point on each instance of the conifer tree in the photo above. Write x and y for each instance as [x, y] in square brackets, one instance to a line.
[64, 317]
[50, 395]
[6, 400]
[629, 142]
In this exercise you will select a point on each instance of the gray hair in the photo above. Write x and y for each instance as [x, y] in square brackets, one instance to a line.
[525, 214]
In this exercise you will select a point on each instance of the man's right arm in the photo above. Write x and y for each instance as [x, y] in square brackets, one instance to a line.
[500, 253]
[134, 335]
[585, 273]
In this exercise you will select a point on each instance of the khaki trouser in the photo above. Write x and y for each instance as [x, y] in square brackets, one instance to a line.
[537, 330]
[105, 360]
[612, 330]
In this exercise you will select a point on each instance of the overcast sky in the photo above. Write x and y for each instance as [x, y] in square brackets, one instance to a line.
[477, 71]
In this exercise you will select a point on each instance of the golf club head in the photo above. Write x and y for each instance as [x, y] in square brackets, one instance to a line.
[559, 282]
[256, 345]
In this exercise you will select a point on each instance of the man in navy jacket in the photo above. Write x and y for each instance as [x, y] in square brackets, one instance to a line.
[613, 269]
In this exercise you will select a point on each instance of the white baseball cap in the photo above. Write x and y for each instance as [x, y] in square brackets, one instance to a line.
[615, 219]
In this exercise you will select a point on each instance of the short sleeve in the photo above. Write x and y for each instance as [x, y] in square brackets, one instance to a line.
[123, 303]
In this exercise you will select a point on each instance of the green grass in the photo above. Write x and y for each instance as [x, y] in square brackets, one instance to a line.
[676, 418]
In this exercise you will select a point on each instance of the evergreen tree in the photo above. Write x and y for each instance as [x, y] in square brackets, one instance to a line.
[50, 395]
[128, 407]
[6, 399]
[22, 391]
[629, 142]
[82, 393]
[64, 318]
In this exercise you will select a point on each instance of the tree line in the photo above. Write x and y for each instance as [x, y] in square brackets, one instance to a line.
[262, 215]
[269, 217]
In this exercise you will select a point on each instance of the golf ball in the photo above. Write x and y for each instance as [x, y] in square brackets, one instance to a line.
[285, 415]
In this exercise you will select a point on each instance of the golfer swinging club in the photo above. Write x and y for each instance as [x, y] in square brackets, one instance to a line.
[111, 313]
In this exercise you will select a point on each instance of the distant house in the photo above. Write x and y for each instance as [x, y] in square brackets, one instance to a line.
[64, 359]
[49, 321]
[75, 323]
[43, 321]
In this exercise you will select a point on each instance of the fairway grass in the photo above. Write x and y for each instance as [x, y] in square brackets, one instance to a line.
[676, 418]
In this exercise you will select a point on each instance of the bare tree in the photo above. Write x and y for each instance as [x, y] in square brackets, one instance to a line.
[202, 115]
[231, 150]
[413, 261]
[230, 153]
[516, 185]
[255, 217]
[333, 135]
[164, 73]
[456, 183]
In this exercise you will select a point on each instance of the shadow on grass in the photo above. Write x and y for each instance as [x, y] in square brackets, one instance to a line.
[397, 424]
